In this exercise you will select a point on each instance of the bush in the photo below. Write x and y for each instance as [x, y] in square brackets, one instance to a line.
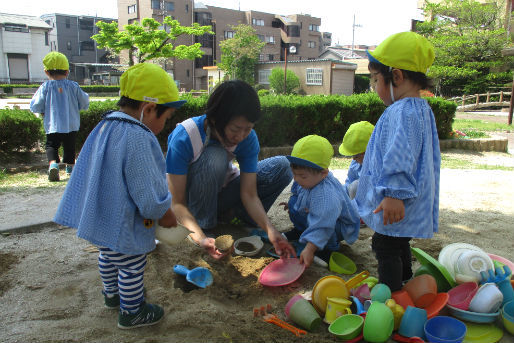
[361, 84]
[19, 130]
[263, 92]
[276, 81]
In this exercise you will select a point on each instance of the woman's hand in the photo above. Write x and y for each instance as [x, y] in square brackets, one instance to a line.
[207, 243]
[394, 210]
[280, 243]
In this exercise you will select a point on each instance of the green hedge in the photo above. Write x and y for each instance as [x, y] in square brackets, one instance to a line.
[285, 118]
[19, 130]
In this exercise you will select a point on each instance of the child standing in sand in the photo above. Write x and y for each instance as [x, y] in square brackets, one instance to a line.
[119, 190]
[398, 194]
[319, 206]
[354, 144]
[59, 101]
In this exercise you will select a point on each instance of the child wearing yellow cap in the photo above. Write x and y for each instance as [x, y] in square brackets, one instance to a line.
[59, 101]
[354, 144]
[398, 194]
[118, 190]
[319, 206]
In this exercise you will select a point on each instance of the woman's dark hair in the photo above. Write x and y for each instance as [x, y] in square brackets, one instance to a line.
[134, 104]
[416, 77]
[57, 72]
[229, 100]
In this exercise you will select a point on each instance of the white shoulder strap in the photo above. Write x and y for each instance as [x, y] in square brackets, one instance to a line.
[194, 137]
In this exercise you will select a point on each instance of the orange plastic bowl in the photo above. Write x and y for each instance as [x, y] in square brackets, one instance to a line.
[422, 290]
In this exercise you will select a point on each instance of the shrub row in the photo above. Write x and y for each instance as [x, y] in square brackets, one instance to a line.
[19, 130]
[285, 118]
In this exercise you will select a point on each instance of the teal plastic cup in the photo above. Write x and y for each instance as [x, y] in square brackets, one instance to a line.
[303, 314]
[413, 322]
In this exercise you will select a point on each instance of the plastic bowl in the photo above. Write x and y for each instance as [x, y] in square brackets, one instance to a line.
[248, 246]
[437, 305]
[347, 326]
[379, 323]
[461, 296]
[171, 235]
[422, 290]
[487, 299]
[443, 329]
[474, 317]
[507, 314]
[381, 292]
[341, 264]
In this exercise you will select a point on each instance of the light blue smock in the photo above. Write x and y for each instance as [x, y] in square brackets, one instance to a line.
[118, 181]
[402, 161]
[324, 214]
[354, 173]
[61, 101]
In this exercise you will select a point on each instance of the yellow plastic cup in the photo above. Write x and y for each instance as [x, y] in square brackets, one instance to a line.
[336, 307]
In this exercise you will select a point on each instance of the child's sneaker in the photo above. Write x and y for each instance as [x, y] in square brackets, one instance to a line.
[112, 302]
[69, 169]
[53, 172]
[148, 314]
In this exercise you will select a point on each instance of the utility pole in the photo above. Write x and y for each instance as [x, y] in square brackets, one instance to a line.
[353, 33]
[193, 40]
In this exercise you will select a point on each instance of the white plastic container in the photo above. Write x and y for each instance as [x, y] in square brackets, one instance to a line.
[171, 235]
[487, 299]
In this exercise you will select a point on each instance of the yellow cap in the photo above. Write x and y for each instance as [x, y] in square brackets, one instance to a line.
[404, 50]
[55, 61]
[312, 151]
[149, 82]
[356, 138]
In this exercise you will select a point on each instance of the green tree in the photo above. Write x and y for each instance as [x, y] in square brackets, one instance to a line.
[148, 40]
[240, 53]
[276, 81]
[468, 37]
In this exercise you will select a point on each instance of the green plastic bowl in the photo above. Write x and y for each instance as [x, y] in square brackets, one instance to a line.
[341, 264]
[347, 326]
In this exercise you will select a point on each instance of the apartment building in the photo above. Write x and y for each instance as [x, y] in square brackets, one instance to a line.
[71, 36]
[280, 32]
[24, 41]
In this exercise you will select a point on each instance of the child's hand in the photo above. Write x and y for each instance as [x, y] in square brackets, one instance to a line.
[286, 206]
[394, 210]
[307, 255]
[169, 219]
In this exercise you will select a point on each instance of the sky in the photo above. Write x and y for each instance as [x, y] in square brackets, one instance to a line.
[377, 18]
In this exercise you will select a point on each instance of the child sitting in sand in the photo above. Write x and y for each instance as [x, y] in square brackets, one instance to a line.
[319, 207]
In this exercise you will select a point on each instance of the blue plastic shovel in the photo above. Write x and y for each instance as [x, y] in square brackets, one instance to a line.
[198, 276]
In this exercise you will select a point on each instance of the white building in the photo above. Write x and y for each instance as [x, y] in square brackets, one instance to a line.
[23, 44]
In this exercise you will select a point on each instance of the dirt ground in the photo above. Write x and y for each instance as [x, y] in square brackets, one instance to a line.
[50, 288]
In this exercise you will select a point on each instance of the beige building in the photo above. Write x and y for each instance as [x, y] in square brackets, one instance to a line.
[278, 31]
[319, 76]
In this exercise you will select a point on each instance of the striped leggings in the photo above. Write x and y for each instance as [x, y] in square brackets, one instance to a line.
[122, 274]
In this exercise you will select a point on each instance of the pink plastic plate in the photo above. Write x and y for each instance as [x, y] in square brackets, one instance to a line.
[281, 272]
[503, 261]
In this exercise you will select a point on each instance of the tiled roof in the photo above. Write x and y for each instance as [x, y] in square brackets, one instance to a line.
[30, 21]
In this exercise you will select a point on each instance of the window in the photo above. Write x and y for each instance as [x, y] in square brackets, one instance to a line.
[187, 8]
[271, 57]
[86, 24]
[169, 6]
[261, 37]
[257, 22]
[187, 73]
[264, 76]
[314, 76]
[132, 9]
[68, 45]
[46, 38]
[313, 27]
[16, 27]
[270, 39]
[311, 44]
[262, 57]
[156, 4]
[67, 23]
[229, 34]
[87, 45]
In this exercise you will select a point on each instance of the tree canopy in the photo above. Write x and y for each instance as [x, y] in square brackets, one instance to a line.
[150, 39]
[468, 37]
[240, 53]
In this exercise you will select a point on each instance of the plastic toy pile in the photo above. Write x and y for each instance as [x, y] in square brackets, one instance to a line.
[466, 295]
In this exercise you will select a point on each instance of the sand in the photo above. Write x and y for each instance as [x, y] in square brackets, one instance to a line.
[50, 288]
